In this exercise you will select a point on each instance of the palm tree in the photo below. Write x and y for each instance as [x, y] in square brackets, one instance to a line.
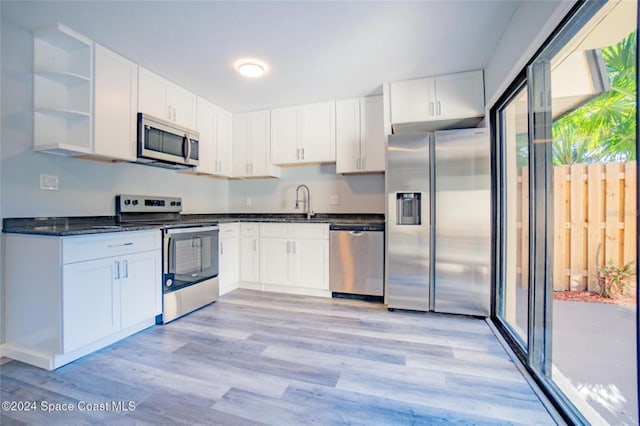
[604, 129]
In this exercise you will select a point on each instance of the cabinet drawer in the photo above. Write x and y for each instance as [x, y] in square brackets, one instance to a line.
[249, 229]
[229, 230]
[96, 246]
[311, 231]
[275, 230]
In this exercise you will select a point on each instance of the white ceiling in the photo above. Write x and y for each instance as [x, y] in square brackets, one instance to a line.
[317, 50]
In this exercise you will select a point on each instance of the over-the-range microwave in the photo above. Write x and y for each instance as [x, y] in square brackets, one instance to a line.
[165, 144]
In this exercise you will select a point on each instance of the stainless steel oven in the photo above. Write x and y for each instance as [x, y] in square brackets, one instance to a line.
[189, 251]
[190, 269]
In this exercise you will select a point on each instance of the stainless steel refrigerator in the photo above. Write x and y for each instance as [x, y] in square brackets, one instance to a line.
[438, 222]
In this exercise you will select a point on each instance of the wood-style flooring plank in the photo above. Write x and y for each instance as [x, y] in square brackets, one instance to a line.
[268, 358]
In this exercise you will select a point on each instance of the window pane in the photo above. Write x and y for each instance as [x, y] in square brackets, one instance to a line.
[514, 301]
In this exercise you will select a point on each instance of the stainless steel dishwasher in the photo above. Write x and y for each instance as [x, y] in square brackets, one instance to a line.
[356, 264]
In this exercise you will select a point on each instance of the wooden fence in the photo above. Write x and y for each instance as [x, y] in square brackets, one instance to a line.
[594, 220]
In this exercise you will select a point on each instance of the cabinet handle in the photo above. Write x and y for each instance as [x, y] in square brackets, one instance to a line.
[431, 109]
[288, 247]
[438, 109]
[303, 153]
[117, 270]
[357, 164]
[120, 245]
[362, 163]
[169, 112]
[297, 153]
[126, 269]
[174, 114]
[293, 244]
[255, 245]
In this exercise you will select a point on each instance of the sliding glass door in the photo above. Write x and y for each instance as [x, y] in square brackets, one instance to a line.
[567, 214]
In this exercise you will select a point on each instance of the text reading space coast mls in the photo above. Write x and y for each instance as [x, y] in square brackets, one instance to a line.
[50, 407]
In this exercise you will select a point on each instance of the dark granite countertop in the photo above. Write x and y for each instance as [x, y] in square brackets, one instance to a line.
[82, 225]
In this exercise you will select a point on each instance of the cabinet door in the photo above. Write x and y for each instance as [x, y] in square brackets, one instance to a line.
[90, 301]
[411, 101]
[240, 135]
[152, 94]
[348, 136]
[228, 273]
[249, 259]
[223, 142]
[459, 95]
[259, 143]
[140, 287]
[116, 105]
[373, 142]
[206, 126]
[311, 263]
[284, 136]
[183, 105]
[274, 261]
[318, 133]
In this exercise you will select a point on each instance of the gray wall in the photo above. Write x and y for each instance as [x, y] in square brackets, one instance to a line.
[529, 27]
[86, 187]
[357, 193]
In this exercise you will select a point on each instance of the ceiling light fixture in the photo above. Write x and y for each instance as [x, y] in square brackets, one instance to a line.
[251, 68]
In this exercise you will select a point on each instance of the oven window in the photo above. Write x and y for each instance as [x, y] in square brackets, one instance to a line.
[192, 257]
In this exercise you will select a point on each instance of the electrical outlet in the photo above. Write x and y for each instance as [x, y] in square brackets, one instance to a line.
[334, 200]
[49, 182]
[248, 201]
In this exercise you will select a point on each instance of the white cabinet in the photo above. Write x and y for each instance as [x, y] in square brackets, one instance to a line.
[228, 260]
[251, 145]
[85, 97]
[214, 149]
[140, 297]
[294, 258]
[250, 256]
[304, 134]
[445, 97]
[62, 91]
[360, 137]
[90, 301]
[116, 106]
[224, 124]
[92, 291]
[163, 99]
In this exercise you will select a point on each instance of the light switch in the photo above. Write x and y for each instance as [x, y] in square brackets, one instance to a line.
[334, 200]
[49, 182]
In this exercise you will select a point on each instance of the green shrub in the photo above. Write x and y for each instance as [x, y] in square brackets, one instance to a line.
[613, 279]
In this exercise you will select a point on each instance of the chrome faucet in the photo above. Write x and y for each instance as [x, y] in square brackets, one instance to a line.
[310, 212]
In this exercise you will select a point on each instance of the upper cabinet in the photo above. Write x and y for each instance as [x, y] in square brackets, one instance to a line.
[360, 136]
[116, 106]
[445, 97]
[304, 134]
[85, 97]
[63, 90]
[214, 125]
[251, 145]
[165, 100]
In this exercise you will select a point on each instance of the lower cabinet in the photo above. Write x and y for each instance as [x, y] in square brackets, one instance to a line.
[228, 260]
[250, 256]
[90, 302]
[69, 296]
[294, 258]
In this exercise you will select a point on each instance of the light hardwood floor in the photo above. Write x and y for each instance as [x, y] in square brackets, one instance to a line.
[266, 358]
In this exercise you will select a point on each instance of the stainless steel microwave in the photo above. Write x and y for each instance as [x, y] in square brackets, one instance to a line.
[165, 144]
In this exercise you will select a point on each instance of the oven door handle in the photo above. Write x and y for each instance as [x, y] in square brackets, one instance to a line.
[192, 229]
